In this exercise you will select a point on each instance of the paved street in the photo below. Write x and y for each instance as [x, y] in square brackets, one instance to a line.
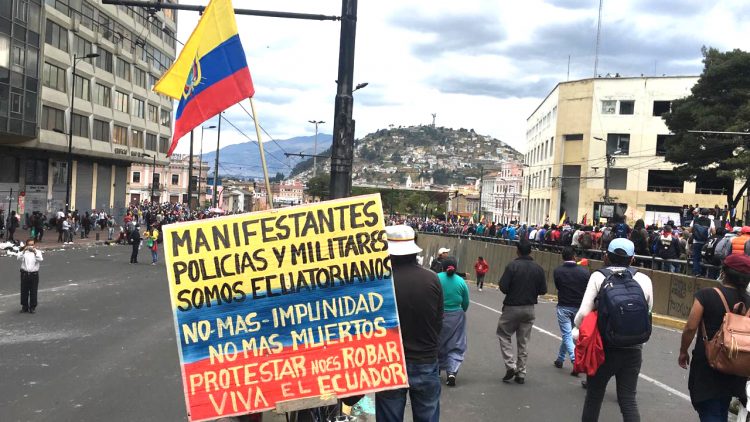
[101, 347]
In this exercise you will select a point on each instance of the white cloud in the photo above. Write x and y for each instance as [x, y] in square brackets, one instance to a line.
[479, 64]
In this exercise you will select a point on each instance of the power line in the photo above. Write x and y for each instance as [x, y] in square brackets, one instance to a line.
[263, 129]
[256, 142]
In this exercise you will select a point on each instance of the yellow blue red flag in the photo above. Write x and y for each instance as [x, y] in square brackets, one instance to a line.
[210, 74]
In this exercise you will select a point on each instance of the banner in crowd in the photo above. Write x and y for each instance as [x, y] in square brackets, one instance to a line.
[281, 305]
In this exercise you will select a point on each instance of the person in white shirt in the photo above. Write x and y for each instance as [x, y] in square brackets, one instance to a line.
[624, 363]
[30, 258]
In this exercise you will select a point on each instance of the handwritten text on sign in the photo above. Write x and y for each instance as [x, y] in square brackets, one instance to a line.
[282, 305]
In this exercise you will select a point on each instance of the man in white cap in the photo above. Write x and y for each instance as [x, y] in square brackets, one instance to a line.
[622, 350]
[437, 263]
[419, 298]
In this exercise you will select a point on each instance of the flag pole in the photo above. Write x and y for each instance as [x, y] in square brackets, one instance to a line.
[262, 155]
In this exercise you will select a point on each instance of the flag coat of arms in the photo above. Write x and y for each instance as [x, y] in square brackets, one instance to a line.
[210, 74]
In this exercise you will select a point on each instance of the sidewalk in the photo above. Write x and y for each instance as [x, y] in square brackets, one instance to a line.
[49, 240]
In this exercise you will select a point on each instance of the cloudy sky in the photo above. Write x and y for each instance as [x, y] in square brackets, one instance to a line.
[481, 64]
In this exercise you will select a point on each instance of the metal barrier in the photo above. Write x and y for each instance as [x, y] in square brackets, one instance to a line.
[648, 261]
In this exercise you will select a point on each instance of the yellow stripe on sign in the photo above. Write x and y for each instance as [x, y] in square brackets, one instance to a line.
[217, 25]
[258, 252]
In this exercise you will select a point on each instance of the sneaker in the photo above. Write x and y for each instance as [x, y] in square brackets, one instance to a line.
[509, 374]
[451, 382]
[480, 289]
[574, 373]
[584, 384]
[520, 379]
[24, 310]
[32, 310]
[558, 364]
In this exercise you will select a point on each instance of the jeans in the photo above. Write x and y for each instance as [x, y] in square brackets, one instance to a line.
[565, 317]
[624, 365]
[154, 255]
[518, 320]
[670, 267]
[697, 268]
[424, 393]
[714, 410]
[480, 280]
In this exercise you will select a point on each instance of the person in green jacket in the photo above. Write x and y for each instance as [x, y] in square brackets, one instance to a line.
[453, 333]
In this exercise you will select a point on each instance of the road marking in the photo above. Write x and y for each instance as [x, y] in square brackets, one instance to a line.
[641, 375]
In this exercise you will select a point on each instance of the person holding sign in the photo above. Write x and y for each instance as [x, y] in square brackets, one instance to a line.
[419, 298]
[453, 334]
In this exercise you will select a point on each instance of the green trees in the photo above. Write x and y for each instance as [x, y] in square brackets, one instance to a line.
[720, 102]
[317, 187]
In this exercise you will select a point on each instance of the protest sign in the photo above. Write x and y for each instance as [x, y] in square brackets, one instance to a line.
[286, 304]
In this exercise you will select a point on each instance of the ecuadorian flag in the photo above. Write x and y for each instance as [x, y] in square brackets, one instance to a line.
[211, 73]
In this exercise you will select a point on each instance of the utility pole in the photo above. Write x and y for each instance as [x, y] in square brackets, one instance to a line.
[610, 161]
[190, 175]
[481, 191]
[216, 164]
[315, 148]
[342, 150]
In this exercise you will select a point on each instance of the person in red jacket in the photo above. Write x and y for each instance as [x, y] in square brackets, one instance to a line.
[481, 267]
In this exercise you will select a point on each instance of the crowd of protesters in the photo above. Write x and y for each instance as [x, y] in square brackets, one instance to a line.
[705, 233]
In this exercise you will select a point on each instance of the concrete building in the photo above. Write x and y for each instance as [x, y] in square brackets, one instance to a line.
[170, 181]
[117, 118]
[579, 124]
[502, 192]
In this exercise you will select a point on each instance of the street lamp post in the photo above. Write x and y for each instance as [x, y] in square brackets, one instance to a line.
[216, 164]
[200, 163]
[315, 147]
[70, 128]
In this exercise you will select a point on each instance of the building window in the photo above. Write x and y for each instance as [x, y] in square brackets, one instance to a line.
[83, 88]
[139, 77]
[137, 139]
[618, 178]
[155, 178]
[61, 5]
[618, 143]
[661, 107]
[139, 108]
[52, 119]
[573, 137]
[136, 177]
[81, 46]
[59, 173]
[18, 57]
[101, 130]
[16, 103]
[661, 145]
[4, 51]
[21, 9]
[80, 125]
[32, 62]
[105, 27]
[664, 181]
[87, 15]
[608, 106]
[123, 69]
[56, 36]
[627, 107]
[121, 101]
[120, 135]
[163, 145]
[152, 80]
[175, 179]
[103, 95]
[53, 77]
[104, 61]
[166, 118]
[153, 113]
[151, 142]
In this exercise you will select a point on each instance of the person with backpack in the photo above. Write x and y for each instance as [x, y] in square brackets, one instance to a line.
[606, 237]
[711, 390]
[702, 229]
[708, 253]
[668, 248]
[621, 230]
[625, 299]
[741, 243]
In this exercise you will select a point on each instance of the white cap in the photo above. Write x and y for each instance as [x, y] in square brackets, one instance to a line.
[401, 240]
[443, 250]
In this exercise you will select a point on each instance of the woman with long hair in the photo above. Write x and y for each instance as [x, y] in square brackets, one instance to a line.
[453, 333]
[711, 391]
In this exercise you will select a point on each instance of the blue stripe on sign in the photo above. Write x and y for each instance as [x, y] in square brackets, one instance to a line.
[342, 298]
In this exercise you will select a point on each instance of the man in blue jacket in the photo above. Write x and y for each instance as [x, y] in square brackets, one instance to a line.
[571, 280]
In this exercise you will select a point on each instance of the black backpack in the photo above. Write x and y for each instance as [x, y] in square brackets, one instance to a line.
[567, 238]
[586, 241]
[700, 232]
[624, 315]
[621, 231]
[709, 251]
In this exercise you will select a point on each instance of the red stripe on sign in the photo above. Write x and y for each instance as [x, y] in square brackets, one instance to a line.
[248, 384]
